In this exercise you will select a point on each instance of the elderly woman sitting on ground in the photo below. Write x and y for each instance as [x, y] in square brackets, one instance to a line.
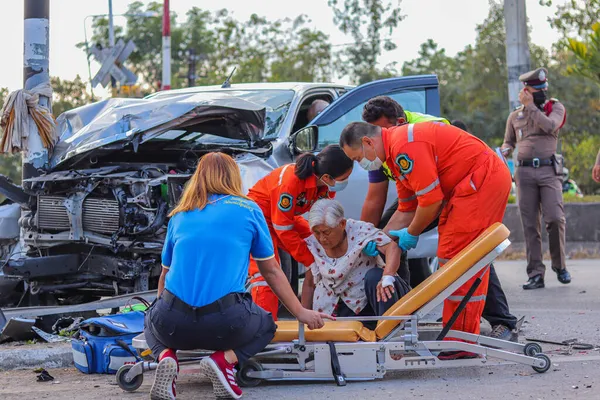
[343, 280]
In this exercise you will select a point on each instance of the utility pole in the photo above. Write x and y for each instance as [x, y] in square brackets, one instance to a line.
[517, 47]
[35, 72]
[166, 46]
[111, 42]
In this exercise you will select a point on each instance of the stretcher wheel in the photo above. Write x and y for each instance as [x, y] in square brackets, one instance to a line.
[547, 363]
[531, 349]
[242, 375]
[128, 386]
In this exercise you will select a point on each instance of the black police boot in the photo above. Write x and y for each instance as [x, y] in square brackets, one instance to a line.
[563, 276]
[535, 282]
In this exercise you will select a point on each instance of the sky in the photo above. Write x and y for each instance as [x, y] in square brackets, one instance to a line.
[451, 23]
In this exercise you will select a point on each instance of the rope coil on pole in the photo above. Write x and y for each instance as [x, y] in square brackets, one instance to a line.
[16, 128]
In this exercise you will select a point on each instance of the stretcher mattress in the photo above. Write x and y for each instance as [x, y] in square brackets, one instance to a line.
[353, 331]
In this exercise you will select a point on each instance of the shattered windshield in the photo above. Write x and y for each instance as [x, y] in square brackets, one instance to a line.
[277, 103]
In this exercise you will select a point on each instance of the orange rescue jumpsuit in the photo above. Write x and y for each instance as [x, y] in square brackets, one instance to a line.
[433, 161]
[283, 198]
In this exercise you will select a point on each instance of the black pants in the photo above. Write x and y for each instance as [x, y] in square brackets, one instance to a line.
[243, 327]
[373, 306]
[496, 310]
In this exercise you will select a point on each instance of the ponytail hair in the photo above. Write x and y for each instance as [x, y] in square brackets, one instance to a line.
[305, 165]
[331, 161]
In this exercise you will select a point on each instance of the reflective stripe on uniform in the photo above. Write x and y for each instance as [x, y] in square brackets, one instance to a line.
[256, 284]
[471, 300]
[283, 227]
[428, 188]
[472, 185]
[410, 133]
[407, 199]
[282, 173]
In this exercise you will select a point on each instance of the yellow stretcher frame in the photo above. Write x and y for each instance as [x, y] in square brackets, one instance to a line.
[345, 350]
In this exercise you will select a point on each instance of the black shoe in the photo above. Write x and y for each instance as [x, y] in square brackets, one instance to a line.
[536, 282]
[563, 276]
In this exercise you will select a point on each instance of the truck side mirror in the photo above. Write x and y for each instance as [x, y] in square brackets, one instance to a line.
[304, 140]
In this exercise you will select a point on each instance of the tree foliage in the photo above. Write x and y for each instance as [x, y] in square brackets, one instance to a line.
[260, 50]
[473, 88]
[587, 55]
[365, 21]
[574, 18]
[68, 94]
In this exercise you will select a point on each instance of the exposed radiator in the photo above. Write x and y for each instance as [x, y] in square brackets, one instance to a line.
[99, 215]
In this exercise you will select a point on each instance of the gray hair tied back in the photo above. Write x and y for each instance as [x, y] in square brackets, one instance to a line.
[326, 211]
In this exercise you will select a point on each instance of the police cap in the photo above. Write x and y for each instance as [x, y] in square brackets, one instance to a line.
[536, 79]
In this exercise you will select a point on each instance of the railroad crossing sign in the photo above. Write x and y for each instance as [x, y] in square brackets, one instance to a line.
[112, 64]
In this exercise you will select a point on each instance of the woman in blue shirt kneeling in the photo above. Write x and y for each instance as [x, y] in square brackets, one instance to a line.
[201, 302]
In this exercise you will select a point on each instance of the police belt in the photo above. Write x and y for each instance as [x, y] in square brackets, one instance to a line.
[535, 162]
[216, 306]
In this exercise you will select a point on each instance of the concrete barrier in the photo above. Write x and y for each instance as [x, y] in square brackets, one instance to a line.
[41, 355]
[583, 227]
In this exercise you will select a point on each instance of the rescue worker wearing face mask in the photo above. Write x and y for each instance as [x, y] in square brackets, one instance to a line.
[533, 128]
[439, 170]
[283, 196]
[385, 112]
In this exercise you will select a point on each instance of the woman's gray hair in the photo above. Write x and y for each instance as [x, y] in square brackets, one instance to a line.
[326, 211]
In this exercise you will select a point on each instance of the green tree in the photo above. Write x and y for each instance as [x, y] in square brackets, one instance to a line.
[365, 21]
[261, 50]
[587, 55]
[473, 84]
[574, 18]
[68, 94]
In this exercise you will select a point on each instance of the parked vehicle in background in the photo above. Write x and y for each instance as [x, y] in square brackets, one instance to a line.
[94, 225]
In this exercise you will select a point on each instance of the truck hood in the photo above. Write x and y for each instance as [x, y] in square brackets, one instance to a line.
[136, 121]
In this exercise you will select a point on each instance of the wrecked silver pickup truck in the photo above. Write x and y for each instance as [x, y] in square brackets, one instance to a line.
[94, 225]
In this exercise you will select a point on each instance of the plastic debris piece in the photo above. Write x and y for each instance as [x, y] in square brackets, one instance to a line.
[44, 376]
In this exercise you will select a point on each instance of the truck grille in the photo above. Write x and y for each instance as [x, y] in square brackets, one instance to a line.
[99, 215]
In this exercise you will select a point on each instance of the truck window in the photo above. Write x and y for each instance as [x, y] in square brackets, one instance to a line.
[411, 100]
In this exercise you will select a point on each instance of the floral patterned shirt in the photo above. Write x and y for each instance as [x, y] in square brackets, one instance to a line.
[343, 278]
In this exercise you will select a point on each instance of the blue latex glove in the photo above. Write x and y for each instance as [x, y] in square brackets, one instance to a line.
[371, 249]
[406, 241]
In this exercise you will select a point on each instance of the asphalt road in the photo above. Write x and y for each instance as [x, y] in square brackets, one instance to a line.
[558, 312]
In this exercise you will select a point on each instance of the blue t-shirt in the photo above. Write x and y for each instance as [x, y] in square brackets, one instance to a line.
[208, 250]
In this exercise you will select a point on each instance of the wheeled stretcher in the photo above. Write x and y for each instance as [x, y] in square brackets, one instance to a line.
[345, 350]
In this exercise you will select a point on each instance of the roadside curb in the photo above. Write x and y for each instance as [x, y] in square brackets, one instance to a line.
[56, 355]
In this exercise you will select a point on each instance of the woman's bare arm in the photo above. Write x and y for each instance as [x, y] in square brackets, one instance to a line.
[308, 290]
[161, 280]
[392, 258]
[271, 271]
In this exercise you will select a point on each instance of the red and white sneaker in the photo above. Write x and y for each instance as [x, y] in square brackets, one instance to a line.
[222, 375]
[164, 378]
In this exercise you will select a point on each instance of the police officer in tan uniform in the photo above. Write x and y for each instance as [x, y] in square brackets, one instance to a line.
[534, 127]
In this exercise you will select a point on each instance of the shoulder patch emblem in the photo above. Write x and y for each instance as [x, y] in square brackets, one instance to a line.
[301, 199]
[405, 164]
[286, 202]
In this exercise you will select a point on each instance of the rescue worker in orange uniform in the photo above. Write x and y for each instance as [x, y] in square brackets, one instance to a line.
[439, 170]
[283, 196]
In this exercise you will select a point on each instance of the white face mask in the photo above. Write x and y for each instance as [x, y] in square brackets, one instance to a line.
[369, 165]
[337, 186]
